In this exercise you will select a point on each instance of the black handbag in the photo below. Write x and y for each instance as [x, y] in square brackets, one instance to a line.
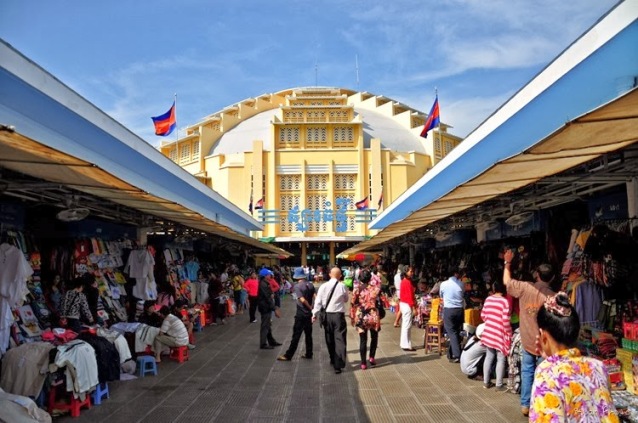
[323, 315]
[380, 308]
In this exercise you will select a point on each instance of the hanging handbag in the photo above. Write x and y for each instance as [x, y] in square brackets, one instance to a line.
[380, 308]
[323, 315]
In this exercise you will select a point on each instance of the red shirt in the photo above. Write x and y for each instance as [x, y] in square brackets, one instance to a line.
[273, 285]
[252, 287]
[406, 292]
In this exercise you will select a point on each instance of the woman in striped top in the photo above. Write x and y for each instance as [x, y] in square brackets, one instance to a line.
[497, 335]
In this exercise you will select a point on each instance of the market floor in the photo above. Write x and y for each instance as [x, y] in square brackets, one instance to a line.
[229, 379]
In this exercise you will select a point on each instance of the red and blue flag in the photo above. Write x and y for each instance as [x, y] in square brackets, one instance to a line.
[260, 204]
[433, 118]
[362, 205]
[166, 123]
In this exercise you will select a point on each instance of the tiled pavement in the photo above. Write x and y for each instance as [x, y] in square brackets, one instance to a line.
[229, 379]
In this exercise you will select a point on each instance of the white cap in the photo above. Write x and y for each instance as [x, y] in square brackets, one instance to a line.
[479, 330]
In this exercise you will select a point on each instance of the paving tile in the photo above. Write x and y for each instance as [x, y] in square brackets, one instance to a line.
[163, 415]
[404, 405]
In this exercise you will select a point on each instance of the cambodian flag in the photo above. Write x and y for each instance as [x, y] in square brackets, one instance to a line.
[165, 124]
[260, 204]
[433, 118]
[362, 205]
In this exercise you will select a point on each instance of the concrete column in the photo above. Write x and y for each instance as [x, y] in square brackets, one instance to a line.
[332, 254]
[304, 254]
[632, 201]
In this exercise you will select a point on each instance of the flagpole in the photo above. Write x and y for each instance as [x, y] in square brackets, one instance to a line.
[438, 127]
[176, 127]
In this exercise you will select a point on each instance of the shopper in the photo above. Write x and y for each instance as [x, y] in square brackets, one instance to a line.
[473, 355]
[567, 387]
[218, 307]
[252, 288]
[397, 292]
[364, 315]
[531, 297]
[451, 292]
[497, 335]
[266, 306]
[75, 307]
[172, 333]
[305, 293]
[335, 328]
[238, 287]
[407, 305]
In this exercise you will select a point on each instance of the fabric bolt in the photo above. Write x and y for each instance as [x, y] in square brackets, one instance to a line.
[532, 296]
[498, 330]
[573, 389]
[24, 368]
[78, 359]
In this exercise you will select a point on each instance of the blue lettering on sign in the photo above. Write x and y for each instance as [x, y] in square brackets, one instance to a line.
[302, 218]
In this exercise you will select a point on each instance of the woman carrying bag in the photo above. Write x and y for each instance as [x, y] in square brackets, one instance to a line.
[364, 315]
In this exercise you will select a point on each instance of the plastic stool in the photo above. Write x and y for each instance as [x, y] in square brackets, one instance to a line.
[101, 391]
[74, 405]
[179, 353]
[433, 337]
[146, 364]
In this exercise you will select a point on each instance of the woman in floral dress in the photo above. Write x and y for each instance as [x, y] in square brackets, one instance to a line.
[365, 316]
[568, 387]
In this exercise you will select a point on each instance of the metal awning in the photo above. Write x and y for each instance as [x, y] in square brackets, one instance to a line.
[527, 139]
[52, 133]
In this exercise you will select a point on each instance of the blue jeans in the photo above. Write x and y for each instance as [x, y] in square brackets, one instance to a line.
[528, 367]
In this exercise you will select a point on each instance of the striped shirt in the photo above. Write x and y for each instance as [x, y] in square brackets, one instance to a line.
[174, 327]
[496, 316]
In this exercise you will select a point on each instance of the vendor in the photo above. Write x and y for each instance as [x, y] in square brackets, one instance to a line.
[173, 333]
[150, 316]
[75, 307]
[473, 355]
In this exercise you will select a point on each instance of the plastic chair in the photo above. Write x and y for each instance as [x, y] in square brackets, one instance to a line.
[74, 405]
[146, 364]
[101, 391]
[180, 354]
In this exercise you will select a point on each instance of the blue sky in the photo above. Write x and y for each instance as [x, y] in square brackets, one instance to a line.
[130, 57]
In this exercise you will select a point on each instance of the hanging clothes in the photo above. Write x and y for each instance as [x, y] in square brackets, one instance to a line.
[107, 357]
[140, 266]
[14, 272]
[589, 299]
[78, 359]
[24, 368]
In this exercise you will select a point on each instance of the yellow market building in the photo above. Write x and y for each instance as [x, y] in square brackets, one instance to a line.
[303, 159]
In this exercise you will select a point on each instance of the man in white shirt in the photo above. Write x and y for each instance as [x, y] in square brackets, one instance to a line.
[397, 290]
[452, 291]
[173, 333]
[335, 328]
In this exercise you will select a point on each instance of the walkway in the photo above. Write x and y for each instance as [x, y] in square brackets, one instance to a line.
[229, 379]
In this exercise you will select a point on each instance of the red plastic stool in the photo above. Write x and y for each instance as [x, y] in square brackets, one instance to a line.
[179, 353]
[74, 405]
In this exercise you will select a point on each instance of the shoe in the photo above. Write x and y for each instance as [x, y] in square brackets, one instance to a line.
[276, 344]
[267, 347]
[363, 366]
[337, 371]
[475, 377]
[502, 388]
[253, 321]
[525, 411]
[283, 358]
[454, 360]
[372, 361]
[306, 356]
[191, 346]
[408, 349]
[488, 385]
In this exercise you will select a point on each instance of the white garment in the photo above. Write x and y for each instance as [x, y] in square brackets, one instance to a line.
[397, 284]
[122, 327]
[406, 325]
[140, 266]
[337, 302]
[78, 357]
[14, 272]
[118, 341]
[145, 336]
[19, 409]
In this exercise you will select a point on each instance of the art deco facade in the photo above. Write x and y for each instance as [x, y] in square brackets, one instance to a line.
[308, 156]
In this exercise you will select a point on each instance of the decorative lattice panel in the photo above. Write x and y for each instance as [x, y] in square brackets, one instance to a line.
[345, 182]
[287, 203]
[316, 136]
[172, 154]
[293, 117]
[289, 134]
[196, 149]
[185, 153]
[339, 116]
[317, 182]
[316, 202]
[316, 116]
[289, 182]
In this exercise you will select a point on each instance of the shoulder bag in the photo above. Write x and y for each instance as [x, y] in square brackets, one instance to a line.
[323, 315]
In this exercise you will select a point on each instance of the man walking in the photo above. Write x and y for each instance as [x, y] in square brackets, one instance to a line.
[266, 306]
[452, 294]
[531, 297]
[305, 293]
[335, 327]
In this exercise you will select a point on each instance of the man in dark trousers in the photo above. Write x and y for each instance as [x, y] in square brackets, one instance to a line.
[335, 327]
[266, 306]
[304, 291]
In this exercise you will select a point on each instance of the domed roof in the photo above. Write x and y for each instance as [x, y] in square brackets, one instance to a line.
[392, 134]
